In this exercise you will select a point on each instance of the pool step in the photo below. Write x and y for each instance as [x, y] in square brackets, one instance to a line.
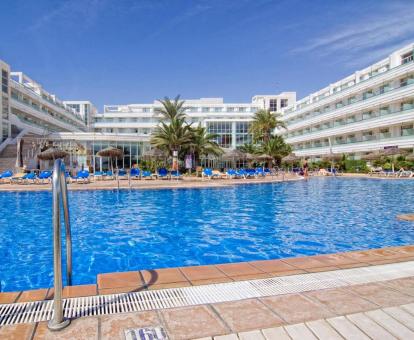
[197, 295]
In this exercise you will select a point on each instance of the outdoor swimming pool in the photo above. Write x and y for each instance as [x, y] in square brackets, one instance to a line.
[130, 230]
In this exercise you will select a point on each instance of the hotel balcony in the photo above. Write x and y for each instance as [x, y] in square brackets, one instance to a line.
[375, 79]
[361, 144]
[42, 118]
[379, 119]
[376, 100]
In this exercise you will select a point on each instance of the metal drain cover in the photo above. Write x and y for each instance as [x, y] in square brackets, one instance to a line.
[147, 333]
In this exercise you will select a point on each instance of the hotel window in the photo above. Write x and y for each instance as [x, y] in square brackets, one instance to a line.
[242, 109]
[218, 109]
[352, 100]
[339, 105]
[407, 130]
[407, 80]
[385, 133]
[367, 115]
[230, 109]
[407, 57]
[409, 105]
[224, 132]
[384, 110]
[284, 103]
[385, 88]
[273, 105]
[368, 94]
[205, 109]
[5, 81]
[242, 133]
[367, 136]
[5, 108]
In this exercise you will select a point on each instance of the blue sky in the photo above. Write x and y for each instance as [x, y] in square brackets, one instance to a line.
[124, 51]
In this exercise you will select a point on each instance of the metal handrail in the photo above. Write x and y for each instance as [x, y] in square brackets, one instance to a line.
[60, 193]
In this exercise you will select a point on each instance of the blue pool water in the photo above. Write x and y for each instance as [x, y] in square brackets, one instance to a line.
[130, 230]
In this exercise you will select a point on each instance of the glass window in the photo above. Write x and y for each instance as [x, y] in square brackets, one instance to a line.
[224, 132]
[205, 109]
[284, 102]
[273, 105]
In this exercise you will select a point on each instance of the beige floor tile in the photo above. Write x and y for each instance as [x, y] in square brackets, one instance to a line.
[295, 308]
[17, 332]
[247, 315]
[380, 295]
[79, 329]
[193, 322]
[341, 301]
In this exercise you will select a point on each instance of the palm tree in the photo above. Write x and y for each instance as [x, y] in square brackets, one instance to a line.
[171, 109]
[249, 148]
[203, 143]
[263, 124]
[172, 136]
[277, 148]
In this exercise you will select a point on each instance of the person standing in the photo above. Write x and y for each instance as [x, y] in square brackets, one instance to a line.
[305, 168]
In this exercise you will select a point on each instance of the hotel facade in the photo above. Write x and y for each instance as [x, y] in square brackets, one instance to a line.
[370, 110]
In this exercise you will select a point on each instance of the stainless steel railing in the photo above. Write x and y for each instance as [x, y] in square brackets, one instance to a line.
[60, 195]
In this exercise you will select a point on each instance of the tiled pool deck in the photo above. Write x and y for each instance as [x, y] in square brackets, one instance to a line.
[185, 182]
[228, 317]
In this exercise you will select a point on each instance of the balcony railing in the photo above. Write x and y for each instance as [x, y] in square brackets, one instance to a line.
[47, 113]
[405, 61]
[375, 94]
[408, 133]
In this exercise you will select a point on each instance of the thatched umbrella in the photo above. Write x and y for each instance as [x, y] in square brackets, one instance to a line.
[393, 152]
[264, 157]
[410, 158]
[233, 155]
[51, 154]
[332, 157]
[371, 156]
[290, 158]
[110, 152]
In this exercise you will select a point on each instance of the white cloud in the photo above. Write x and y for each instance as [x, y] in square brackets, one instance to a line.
[368, 39]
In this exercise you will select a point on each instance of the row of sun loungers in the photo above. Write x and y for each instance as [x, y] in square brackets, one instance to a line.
[231, 173]
[389, 173]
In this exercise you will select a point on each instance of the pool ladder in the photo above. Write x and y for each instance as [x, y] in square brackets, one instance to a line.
[60, 194]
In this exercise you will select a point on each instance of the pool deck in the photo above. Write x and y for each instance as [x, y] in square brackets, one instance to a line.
[285, 316]
[185, 182]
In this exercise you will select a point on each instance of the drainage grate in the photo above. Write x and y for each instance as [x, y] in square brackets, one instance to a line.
[196, 295]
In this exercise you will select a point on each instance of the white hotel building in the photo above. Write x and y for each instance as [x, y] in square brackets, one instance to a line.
[370, 110]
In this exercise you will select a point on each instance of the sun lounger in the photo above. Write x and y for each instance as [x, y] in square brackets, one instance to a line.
[82, 176]
[135, 173]
[218, 174]
[98, 175]
[6, 176]
[176, 174]
[45, 176]
[162, 173]
[122, 174]
[260, 172]
[29, 178]
[208, 173]
[231, 173]
[147, 174]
